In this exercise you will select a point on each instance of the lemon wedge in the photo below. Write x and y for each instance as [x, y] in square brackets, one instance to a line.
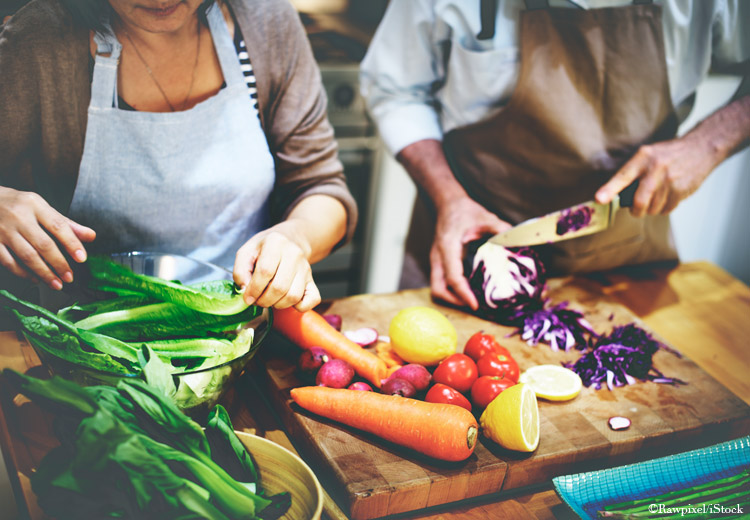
[552, 382]
[512, 419]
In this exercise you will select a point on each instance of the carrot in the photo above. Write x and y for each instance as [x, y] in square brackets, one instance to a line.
[442, 431]
[309, 329]
[384, 351]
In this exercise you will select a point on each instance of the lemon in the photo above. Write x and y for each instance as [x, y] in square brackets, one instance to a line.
[422, 335]
[552, 382]
[512, 419]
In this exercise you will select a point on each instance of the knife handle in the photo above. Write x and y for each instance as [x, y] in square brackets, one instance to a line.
[628, 194]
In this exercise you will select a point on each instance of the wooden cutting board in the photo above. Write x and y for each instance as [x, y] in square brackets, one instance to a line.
[371, 478]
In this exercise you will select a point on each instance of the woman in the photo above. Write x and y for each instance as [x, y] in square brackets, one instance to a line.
[145, 124]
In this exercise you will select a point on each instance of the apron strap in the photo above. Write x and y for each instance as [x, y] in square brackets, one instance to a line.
[487, 13]
[104, 81]
[224, 45]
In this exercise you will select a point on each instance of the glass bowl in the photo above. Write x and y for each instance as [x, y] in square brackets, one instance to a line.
[197, 390]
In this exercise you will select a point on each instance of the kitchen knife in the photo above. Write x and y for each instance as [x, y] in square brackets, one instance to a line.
[579, 220]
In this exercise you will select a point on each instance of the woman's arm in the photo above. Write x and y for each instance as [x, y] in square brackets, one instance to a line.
[41, 141]
[273, 267]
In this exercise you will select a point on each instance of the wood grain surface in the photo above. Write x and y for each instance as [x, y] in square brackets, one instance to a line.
[697, 308]
[377, 479]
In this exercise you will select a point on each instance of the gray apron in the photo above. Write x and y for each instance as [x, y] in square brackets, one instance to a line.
[592, 88]
[195, 182]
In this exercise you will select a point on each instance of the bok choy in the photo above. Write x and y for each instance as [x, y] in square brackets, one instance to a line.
[127, 452]
[189, 327]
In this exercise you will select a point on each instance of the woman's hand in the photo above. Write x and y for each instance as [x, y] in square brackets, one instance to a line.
[274, 270]
[274, 265]
[34, 237]
[459, 222]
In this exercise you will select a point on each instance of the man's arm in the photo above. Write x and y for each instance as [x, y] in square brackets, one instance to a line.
[459, 219]
[671, 171]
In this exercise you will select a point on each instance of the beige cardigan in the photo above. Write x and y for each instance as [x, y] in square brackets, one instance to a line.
[45, 91]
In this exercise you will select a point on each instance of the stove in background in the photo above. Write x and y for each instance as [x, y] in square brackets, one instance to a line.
[339, 42]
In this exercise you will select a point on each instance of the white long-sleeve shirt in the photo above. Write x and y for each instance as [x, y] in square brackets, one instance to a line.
[426, 72]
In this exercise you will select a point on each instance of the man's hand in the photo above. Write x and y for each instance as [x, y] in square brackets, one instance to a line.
[459, 219]
[671, 171]
[32, 234]
[459, 222]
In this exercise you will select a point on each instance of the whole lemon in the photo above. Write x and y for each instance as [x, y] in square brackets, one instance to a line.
[422, 335]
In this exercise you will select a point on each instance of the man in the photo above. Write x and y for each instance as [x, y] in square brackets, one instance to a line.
[503, 110]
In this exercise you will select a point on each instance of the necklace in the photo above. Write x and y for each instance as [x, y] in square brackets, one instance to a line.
[156, 82]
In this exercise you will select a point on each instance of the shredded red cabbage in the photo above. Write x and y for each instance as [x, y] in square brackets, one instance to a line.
[620, 359]
[508, 282]
[558, 326]
[574, 219]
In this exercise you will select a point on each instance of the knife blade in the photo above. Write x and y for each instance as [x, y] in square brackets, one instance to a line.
[582, 219]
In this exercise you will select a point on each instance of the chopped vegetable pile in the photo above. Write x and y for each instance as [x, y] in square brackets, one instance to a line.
[128, 452]
[560, 327]
[510, 286]
[620, 358]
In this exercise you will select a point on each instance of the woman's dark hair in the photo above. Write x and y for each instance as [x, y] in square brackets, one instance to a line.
[93, 13]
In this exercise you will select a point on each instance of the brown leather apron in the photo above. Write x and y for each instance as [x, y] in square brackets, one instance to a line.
[592, 88]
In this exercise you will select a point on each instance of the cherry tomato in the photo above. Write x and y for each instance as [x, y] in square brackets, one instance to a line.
[486, 388]
[457, 371]
[440, 393]
[493, 364]
[480, 343]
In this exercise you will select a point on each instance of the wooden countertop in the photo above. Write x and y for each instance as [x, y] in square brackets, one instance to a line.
[697, 308]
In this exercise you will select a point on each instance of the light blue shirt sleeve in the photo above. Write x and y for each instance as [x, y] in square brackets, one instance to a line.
[400, 73]
[731, 34]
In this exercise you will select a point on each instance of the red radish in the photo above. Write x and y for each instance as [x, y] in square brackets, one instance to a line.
[442, 431]
[395, 386]
[334, 320]
[311, 360]
[337, 373]
[309, 329]
[364, 337]
[361, 386]
[414, 373]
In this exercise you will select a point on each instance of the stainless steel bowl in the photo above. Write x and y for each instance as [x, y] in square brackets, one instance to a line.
[198, 390]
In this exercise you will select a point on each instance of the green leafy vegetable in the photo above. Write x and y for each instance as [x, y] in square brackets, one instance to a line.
[128, 452]
[61, 337]
[163, 320]
[213, 299]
